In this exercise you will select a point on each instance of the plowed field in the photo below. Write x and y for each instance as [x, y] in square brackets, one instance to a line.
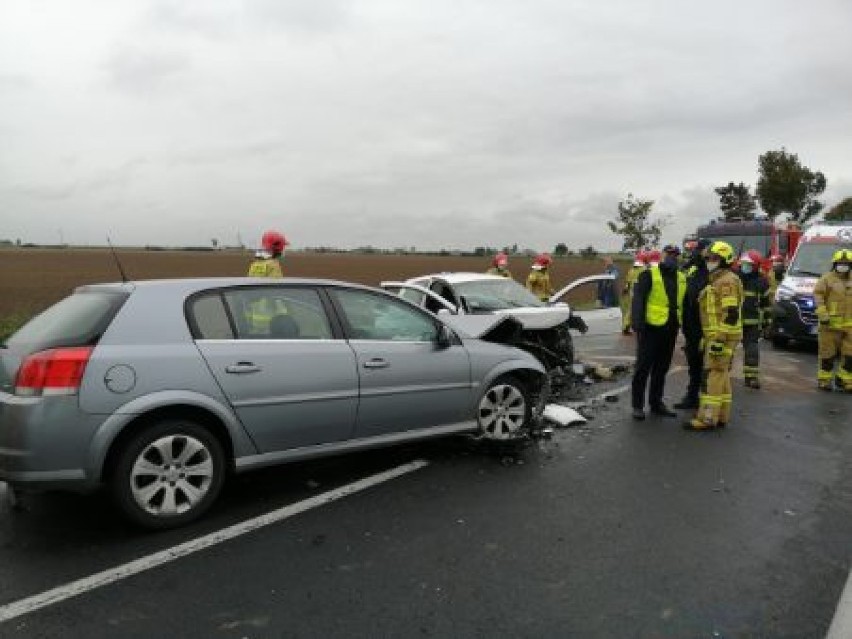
[32, 279]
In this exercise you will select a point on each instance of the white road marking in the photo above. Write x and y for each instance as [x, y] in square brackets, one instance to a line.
[81, 586]
[623, 389]
[841, 625]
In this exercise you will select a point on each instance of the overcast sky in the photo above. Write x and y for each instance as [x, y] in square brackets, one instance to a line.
[433, 123]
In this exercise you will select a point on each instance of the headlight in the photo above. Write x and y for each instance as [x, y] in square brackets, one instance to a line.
[783, 293]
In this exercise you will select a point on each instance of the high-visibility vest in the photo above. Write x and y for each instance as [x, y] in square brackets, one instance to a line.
[657, 308]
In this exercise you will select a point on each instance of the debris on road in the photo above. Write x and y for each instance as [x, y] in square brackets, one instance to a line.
[563, 415]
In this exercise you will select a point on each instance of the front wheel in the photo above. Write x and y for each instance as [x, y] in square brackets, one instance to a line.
[168, 474]
[504, 410]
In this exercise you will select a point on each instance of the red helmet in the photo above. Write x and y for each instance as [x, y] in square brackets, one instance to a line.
[543, 260]
[653, 255]
[640, 257]
[273, 242]
[501, 260]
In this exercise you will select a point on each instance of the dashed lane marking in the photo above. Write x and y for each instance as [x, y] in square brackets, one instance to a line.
[106, 577]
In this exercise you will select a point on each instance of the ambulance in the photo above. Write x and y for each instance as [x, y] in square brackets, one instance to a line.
[794, 309]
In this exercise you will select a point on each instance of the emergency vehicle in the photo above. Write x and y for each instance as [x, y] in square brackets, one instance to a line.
[794, 310]
[770, 239]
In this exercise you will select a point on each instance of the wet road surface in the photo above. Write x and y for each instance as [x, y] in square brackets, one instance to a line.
[613, 529]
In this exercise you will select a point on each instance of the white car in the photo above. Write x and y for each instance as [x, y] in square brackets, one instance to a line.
[487, 306]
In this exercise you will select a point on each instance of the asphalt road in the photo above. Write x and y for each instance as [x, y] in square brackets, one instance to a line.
[615, 529]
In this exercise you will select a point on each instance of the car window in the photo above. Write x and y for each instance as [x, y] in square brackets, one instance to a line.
[278, 312]
[485, 296]
[208, 317]
[378, 317]
[415, 297]
[78, 320]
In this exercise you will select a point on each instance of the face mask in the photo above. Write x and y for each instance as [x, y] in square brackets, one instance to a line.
[746, 268]
[712, 266]
[842, 268]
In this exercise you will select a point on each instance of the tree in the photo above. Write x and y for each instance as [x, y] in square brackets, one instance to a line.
[736, 201]
[560, 250]
[786, 186]
[588, 253]
[841, 211]
[634, 226]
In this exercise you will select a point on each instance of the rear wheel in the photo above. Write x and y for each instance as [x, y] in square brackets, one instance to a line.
[168, 474]
[504, 410]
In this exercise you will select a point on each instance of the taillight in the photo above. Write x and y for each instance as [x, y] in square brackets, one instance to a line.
[58, 371]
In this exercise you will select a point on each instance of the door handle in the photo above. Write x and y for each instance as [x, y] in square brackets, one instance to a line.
[240, 368]
[376, 363]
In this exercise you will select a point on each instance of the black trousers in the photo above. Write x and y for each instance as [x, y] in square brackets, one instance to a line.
[695, 363]
[654, 349]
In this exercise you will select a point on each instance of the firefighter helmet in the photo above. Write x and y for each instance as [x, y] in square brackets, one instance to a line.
[653, 256]
[501, 260]
[755, 256]
[723, 251]
[842, 255]
[746, 257]
[273, 242]
[543, 260]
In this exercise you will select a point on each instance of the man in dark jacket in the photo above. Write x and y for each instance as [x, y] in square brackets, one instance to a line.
[656, 315]
[696, 279]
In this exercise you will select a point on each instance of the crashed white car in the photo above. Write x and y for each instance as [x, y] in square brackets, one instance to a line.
[500, 309]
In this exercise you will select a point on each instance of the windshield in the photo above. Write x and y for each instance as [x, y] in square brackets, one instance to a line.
[743, 243]
[495, 295]
[813, 258]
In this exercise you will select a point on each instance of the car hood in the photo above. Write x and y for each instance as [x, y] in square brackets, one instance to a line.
[489, 326]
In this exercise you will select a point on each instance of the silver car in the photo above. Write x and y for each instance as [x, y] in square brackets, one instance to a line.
[160, 389]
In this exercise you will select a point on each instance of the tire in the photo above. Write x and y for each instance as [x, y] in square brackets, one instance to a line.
[168, 474]
[504, 410]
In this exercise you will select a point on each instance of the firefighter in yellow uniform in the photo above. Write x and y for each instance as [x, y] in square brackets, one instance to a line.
[833, 297]
[500, 266]
[267, 261]
[637, 269]
[538, 281]
[720, 307]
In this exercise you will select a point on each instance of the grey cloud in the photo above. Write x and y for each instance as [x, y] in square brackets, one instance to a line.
[139, 70]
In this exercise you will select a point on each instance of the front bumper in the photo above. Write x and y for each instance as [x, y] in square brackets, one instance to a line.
[791, 322]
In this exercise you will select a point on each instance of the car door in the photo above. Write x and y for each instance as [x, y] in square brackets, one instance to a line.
[582, 296]
[408, 379]
[291, 381]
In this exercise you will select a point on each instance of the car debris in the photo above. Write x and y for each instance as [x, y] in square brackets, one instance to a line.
[563, 415]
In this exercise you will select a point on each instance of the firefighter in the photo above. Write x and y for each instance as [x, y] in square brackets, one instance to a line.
[833, 297]
[627, 291]
[720, 306]
[267, 261]
[538, 281]
[697, 277]
[656, 315]
[500, 266]
[755, 313]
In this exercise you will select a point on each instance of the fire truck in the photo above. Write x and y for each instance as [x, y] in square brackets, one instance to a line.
[772, 240]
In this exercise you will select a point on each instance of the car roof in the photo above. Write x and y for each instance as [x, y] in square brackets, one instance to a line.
[461, 277]
[189, 285]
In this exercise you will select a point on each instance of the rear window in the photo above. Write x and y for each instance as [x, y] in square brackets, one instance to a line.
[78, 320]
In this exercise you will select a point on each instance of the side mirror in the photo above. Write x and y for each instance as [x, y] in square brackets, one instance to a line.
[445, 336]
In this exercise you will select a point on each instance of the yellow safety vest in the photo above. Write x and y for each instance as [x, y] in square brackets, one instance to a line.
[657, 308]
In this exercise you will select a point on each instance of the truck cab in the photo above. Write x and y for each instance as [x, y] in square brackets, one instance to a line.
[794, 308]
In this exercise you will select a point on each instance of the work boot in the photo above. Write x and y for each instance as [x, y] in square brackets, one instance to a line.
[663, 410]
[698, 425]
[638, 414]
[825, 386]
[687, 403]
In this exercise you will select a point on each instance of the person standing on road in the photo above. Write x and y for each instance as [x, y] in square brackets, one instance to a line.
[657, 312]
[500, 266]
[720, 305]
[627, 291]
[755, 313]
[833, 297]
[697, 278]
[538, 281]
[267, 261]
[608, 289]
